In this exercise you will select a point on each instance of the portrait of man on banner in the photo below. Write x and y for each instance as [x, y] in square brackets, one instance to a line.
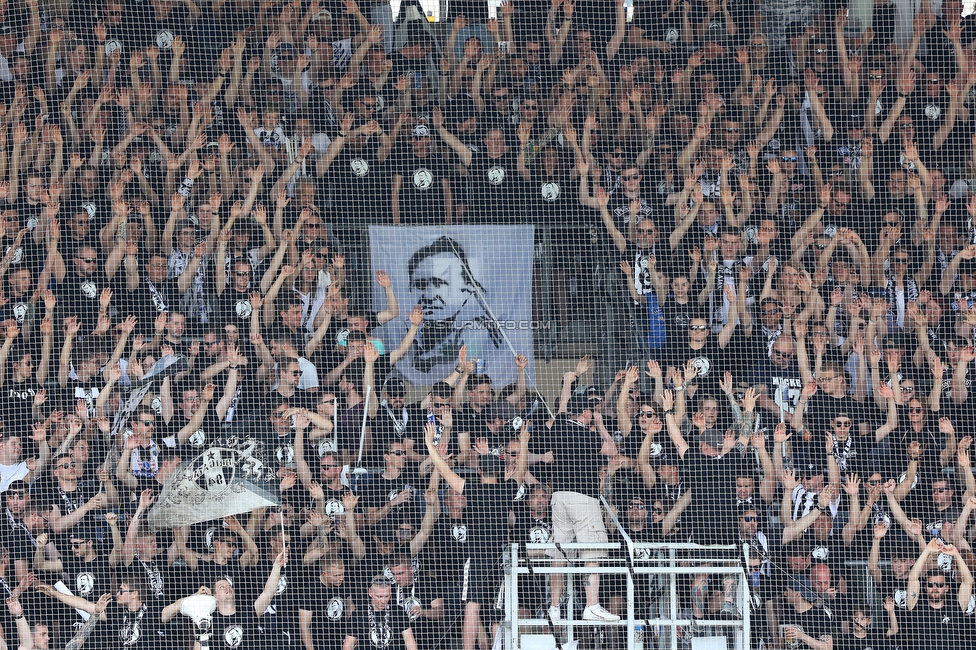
[467, 290]
[442, 283]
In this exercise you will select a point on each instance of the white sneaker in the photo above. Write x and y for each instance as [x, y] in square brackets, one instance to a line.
[554, 614]
[597, 613]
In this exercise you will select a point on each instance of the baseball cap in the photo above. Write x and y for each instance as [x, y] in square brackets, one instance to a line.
[578, 404]
[325, 14]
[812, 469]
[592, 392]
[801, 585]
[82, 532]
[396, 388]
[500, 410]
[895, 341]
[421, 131]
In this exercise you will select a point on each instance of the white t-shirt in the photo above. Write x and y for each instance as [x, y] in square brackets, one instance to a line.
[11, 473]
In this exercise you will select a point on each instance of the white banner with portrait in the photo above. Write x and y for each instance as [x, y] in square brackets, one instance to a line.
[475, 286]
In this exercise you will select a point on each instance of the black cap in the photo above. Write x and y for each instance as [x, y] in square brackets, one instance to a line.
[578, 404]
[396, 388]
[500, 410]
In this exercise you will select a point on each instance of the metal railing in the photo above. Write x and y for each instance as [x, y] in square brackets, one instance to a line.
[667, 562]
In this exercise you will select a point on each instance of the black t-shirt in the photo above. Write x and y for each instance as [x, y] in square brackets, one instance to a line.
[280, 619]
[422, 592]
[233, 308]
[68, 502]
[208, 434]
[382, 629]
[823, 408]
[495, 187]
[450, 539]
[239, 630]
[88, 579]
[150, 31]
[487, 531]
[357, 173]
[330, 608]
[576, 457]
[79, 296]
[710, 362]
[163, 580]
[897, 590]
[142, 628]
[551, 200]
[875, 640]
[382, 490]
[150, 299]
[422, 198]
[712, 480]
[17, 404]
[935, 628]
[209, 572]
[815, 622]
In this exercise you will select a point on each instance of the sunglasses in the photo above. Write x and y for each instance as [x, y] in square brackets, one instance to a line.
[147, 423]
[788, 158]
[88, 260]
[242, 274]
[732, 129]
[750, 518]
[876, 77]
[843, 425]
[637, 506]
[398, 452]
[939, 490]
[935, 585]
[698, 328]
[914, 409]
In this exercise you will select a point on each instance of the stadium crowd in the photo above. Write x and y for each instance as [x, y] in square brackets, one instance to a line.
[763, 210]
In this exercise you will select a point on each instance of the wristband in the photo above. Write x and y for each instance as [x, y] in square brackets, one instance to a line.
[17, 618]
[669, 412]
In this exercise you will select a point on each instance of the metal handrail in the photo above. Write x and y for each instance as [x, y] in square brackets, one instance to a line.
[628, 568]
